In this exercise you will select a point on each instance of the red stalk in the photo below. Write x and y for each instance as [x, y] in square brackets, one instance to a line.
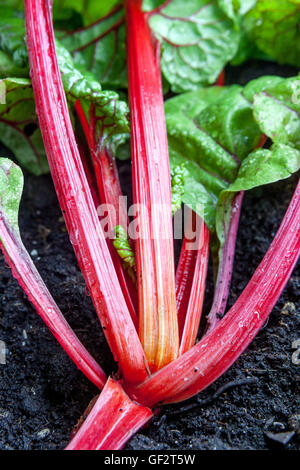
[263, 140]
[84, 155]
[89, 135]
[112, 421]
[216, 352]
[221, 79]
[29, 279]
[158, 328]
[109, 189]
[190, 279]
[106, 171]
[184, 272]
[74, 194]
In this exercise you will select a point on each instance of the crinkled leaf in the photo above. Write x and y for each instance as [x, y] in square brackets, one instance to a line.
[85, 11]
[177, 187]
[214, 133]
[260, 84]
[100, 48]
[78, 82]
[82, 85]
[18, 124]
[11, 187]
[111, 113]
[273, 25]
[198, 40]
[265, 166]
[214, 130]
[196, 45]
[211, 131]
[183, 137]
[277, 108]
[9, 69]
[12, 38]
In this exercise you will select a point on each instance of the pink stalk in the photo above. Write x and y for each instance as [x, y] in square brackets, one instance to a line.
[112, 421]
[225, 266]
[190, 279]
[29, 279]
[158, 328]
[74, 194]
[216, 352]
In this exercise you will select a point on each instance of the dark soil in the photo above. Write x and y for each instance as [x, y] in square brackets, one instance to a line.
[42, 394]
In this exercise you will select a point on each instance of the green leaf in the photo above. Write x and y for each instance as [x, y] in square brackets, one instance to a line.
[260, 84]
[67, 19]
[122, 245]
[18, 124]
[211, 131]
[196, 45]
[12, 39]
[11, 188]
[149, 5]
[100, 48]
[15, 6]
[111, 113]
[259, 168]
[246, 5]
[273, 25]
[215, 132]
[277, 109]
[189, 104]
[197, 42]
[72, 10]
[80, 84]
[90, 10]
[247, 48]
[231, 8]
[266, 166]
[177, 186]
[9, 69]
[183, 138]
[125, 251]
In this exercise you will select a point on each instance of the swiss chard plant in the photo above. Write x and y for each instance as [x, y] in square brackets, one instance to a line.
[66, 74]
